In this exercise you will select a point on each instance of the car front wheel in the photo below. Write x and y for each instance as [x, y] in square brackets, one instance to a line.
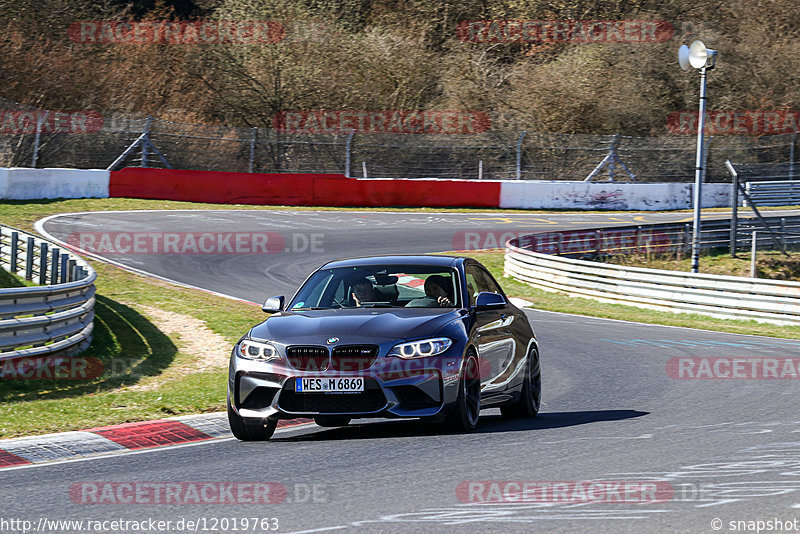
[468, 405]
[245, 431]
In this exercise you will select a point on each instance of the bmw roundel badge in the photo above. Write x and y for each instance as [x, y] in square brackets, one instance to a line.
[332, 340]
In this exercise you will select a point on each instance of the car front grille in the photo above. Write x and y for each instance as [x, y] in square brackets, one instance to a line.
[371, 399]
[353, 358]
[308, 358]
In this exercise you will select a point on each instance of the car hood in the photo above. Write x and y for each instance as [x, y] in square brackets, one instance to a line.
[362, 325]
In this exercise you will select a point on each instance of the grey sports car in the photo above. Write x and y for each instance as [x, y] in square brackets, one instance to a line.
[430, 337]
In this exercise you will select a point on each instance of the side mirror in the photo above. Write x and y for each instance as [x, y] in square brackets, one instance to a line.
[486, 300]
[273, 304]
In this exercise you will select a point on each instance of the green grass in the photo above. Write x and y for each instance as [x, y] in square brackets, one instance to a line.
[770, 264]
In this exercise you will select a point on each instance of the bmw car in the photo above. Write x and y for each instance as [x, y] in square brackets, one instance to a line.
[430, 337]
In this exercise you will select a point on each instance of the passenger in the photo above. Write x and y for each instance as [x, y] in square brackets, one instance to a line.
[436, 293]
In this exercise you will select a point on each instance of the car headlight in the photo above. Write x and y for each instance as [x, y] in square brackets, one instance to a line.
[253, 350]
[422, 348]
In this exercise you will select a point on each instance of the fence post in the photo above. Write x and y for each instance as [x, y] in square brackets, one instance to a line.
[598, 237]
[29, 259]
[791, 155]
[43, 264]
[252, 149]
[71, 271]
[753, 254]
[519, 155]
[734, 205]
[364, 169]
[480, 169]
[146, 141]
[348, 153]
[39, 120]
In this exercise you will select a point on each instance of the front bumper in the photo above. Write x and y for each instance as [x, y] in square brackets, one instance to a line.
[393, 387]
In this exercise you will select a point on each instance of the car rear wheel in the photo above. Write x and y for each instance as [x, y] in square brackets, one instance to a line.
[468, 405]
[531, 397]
[331, 420]
[245, 431]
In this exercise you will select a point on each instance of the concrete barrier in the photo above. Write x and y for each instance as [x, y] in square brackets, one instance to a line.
[337, 190]
[30, 184]
[531, 194]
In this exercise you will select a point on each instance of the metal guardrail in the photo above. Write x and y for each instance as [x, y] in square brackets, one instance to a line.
[659, 238]
[774, 193]
[54, 317]
[729, 297]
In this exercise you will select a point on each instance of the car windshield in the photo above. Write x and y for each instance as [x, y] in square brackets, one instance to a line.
[377, 286]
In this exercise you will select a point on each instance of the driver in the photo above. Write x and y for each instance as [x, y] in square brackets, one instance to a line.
[363, 291]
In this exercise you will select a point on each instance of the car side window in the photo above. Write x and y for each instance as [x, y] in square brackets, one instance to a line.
[490, 283]
[480, 280]
[476, 282]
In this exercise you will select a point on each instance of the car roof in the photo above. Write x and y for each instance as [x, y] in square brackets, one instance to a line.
[400, 259]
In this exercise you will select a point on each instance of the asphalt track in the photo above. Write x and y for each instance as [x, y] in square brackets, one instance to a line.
[726, 449]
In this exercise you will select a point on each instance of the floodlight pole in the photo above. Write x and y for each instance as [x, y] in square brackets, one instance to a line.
[699, 171]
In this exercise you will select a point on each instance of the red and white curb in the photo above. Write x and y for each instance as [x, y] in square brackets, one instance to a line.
[117, 438]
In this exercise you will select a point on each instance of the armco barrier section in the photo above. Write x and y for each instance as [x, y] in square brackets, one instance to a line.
[774, 193]
[54, 318]
[27, 184]
[659, 238]
[730, 297]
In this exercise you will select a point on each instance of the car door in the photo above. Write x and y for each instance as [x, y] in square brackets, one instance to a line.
[492, 333]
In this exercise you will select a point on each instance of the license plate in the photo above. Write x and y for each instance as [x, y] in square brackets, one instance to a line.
[339, 384]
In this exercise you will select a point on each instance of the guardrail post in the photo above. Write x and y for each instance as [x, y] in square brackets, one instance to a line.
[29, 259]
[598, 245]
[14, 252]
[783, 232]
[753, 247]
[43, 264]
[71, 271]
[560, 243]
[62, 279]
[687, 237]
[54, 261]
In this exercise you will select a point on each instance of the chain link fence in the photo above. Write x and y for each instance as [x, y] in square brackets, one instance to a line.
[27, 141]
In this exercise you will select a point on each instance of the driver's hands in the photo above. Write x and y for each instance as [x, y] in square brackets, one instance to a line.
[355, 299]
[444, 302]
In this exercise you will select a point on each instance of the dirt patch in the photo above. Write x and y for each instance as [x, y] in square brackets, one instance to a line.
[207, 349]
